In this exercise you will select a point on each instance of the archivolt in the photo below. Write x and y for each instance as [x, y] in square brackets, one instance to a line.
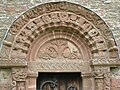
[39, 20]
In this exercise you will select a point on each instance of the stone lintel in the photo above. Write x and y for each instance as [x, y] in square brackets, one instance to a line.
[12, 63]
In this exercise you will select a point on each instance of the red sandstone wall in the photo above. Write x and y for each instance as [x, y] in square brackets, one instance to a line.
[115, 84]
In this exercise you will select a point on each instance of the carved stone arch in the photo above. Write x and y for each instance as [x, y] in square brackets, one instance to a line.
[34, 22]
[63, 35]
[84, 38]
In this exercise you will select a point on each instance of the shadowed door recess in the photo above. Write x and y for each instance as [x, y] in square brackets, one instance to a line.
[59, 81]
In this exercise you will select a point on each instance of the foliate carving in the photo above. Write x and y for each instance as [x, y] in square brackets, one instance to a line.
[59, 49]
[57, 54]
[102, 78]
[31, 31]
[100, 71]
[19, 78]
[107, 81]
[58, 14]
[19, 74]
[61, 6]
[68, 7]
[34, 28]
[21, 86]
[99, 84]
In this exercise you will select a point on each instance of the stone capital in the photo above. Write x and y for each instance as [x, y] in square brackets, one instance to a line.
[87, 75]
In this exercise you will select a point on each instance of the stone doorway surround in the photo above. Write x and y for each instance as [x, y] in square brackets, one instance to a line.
[59, 37]
[59, 81]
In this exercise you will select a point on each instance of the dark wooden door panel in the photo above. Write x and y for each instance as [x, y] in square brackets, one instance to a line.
[59, 81]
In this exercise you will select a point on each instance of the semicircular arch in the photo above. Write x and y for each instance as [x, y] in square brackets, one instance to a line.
[37, 21]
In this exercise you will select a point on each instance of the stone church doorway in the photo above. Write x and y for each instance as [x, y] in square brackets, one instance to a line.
[59, 81]
[59, 37]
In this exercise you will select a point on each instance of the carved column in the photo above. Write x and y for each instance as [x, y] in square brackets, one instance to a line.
[102, 78]
[87, 81]
[107, 78]
[31, 81]
[19, 78]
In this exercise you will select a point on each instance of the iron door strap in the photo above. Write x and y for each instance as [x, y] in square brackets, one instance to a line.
[53, 84]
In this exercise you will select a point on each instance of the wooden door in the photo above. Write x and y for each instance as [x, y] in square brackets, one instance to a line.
[59, 81]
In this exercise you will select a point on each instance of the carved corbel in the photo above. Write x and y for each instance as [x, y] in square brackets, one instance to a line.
[18, 78]
[19, 74]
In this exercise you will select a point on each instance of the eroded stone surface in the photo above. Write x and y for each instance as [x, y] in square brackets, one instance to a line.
[58, 37]
[108, 10]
